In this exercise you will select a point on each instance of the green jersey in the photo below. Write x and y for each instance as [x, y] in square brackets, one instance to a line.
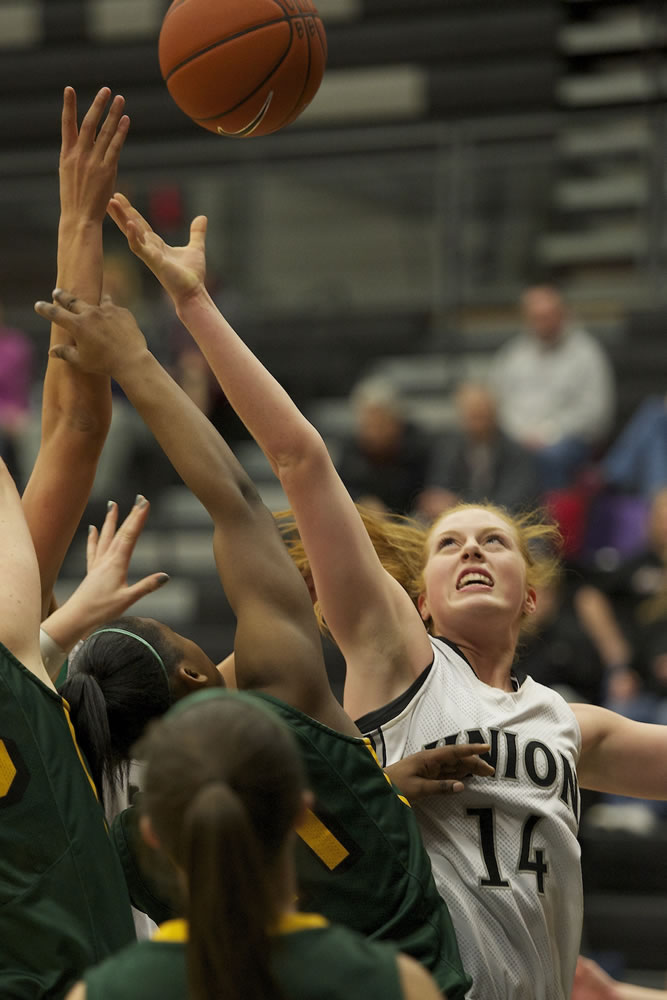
[360, 857]
[310, 959]
[63, 899]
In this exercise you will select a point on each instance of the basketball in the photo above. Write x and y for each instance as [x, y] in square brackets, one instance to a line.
[242, 67]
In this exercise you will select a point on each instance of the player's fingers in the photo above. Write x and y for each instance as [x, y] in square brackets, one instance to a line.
[68, 129]
[132, 526]
[136, 240]
[145, 586]
[118, 140]
[110, 125]
[69, 301]
[108, 528]
[65, 352]
[92, 117]
[468, 749]
[116, 212]
[425, 787]
[198, 228]
[474, 765]
[54, 313]
[130, 212]
[91, 547]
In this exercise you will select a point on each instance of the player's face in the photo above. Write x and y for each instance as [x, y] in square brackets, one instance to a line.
[475, 574]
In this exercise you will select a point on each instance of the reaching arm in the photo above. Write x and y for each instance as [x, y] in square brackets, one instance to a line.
[621, 756]
[277, 645]
[592, 983]
[19, 582]
[369, 614]
[76, 406]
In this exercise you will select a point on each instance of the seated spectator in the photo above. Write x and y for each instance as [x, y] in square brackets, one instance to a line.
[478, 461]
[555, 388]
[383, 463]
[636, 461]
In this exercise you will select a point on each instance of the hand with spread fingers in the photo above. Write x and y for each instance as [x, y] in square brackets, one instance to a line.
[441, 770]
[180, 270]
[105, 338]
[104, 593]
[88, 157]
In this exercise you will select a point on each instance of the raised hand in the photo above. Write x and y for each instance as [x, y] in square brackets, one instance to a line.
[104, 593]
[88, 159]
[105, 337]
[180, 270]
[439, 771]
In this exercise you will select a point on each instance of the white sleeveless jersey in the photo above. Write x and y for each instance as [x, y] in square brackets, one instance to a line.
[504, 852]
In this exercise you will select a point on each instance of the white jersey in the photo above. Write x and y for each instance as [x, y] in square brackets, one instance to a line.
[504, 851]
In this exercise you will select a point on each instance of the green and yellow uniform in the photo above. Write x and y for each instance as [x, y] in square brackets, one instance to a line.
[360, 857]
[310, 959]
[63, 899]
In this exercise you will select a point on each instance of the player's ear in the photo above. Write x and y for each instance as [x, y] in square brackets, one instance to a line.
[191, 679]
[530, 601]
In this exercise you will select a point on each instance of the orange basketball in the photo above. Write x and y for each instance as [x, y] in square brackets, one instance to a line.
[242, 67]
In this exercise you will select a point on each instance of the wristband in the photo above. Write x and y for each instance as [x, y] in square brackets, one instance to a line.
[53, 656]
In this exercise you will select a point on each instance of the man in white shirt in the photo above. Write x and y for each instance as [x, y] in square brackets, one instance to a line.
[555, 387]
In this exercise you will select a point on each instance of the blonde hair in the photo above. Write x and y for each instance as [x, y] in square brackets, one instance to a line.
[402, 545]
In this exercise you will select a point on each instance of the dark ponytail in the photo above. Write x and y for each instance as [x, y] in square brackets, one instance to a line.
[221, 849]
[223, 787]
[116, 686]
[88, 711]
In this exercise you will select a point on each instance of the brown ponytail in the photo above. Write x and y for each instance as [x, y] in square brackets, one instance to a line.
[223, 788]
[228, 946]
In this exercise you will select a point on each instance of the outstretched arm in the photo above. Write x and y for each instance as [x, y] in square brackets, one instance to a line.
[76, 406]
[592, 983]
[369, 614]
[621, 756]
[277, 644]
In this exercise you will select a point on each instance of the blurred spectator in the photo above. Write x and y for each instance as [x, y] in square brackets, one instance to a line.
[16, 373]
[628, 612]
[383, 463]
[478, 461]
[638, 588]
[559, 650]
[555, 388]
[636, 461]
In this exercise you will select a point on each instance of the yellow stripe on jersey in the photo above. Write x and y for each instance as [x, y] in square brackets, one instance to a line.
[289, 923]
[7, 770]
[322, 841]
[76, 747]
[371, 750]
[177, 931]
